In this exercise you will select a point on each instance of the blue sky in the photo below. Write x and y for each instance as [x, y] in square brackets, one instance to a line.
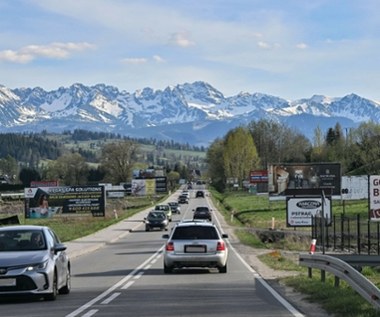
[287, 48]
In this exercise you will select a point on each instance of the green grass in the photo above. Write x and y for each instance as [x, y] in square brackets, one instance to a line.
[340, 301]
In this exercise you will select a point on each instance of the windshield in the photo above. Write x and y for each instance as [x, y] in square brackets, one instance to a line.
[156, 215]
[21, 240]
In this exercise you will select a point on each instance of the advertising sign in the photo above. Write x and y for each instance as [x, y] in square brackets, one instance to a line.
[374, 197]
[299, 211]
[258, 176]
[302, 179]
[355, 187]
[45, 202]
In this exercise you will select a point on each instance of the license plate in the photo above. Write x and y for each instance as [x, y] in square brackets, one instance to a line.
[7, 282]
[195, 249]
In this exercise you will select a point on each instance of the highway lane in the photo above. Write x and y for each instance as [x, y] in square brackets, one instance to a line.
[126, 278]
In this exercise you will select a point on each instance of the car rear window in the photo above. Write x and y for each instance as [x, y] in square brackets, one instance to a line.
[195, 232]
[202, 209]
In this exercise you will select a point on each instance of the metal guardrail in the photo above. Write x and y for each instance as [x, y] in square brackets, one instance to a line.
[344, 271]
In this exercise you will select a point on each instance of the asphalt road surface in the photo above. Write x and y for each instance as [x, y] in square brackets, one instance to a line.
[126, 278]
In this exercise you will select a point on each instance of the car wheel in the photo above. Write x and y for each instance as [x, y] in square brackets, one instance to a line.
[66, 289]
[167, 269]
[147, 229]
[222, 269]
[53, 294]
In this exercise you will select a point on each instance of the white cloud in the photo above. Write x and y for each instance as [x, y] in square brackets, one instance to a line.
[53, 51]
[181, 39]
[302, 46]
[134, 60]
[158, 59]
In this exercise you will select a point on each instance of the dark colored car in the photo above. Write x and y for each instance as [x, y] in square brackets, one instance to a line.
[195, 244]
[156, 219]
[33, 262]
[200, 194]
[202, 213]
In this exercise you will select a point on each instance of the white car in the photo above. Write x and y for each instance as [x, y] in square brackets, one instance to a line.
[195, 244]
[33, 261]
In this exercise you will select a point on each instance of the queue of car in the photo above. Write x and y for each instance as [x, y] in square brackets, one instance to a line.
[34, 261]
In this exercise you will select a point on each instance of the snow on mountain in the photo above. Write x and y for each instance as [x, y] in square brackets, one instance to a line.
[182, 112]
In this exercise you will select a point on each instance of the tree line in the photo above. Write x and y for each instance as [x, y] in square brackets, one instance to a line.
[265, 141]
[33, 157]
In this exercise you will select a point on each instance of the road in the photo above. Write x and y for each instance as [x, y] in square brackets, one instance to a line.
[126, 278]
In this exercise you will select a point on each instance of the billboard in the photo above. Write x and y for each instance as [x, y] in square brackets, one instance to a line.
[258, 176]
[299, 211]
[290, 179]
[374, 197]
[46, 202]
[355, 187]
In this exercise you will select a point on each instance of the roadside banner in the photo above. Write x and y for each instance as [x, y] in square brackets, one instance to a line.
[355, 187]
[374, 197]
[299, 211]
[45, 202]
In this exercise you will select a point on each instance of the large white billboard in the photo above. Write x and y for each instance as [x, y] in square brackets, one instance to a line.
[299, 211]
[374, 197]
[354, 187]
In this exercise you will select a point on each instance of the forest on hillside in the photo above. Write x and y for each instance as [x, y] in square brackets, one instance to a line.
[36, 155]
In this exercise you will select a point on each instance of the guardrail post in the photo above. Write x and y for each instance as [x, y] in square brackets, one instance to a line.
[323, 275]
[336, 281]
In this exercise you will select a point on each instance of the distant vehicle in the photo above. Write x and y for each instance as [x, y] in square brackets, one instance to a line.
[166, 208]
[183, 199]
[186, 193]
[175, 207]
[156, 219]
[202, 212]
[200, 194]
[33, 262]
[195, 244]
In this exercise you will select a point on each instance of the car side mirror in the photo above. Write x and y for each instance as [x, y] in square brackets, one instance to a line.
[225, 236]
[59, 247]
[165, 236]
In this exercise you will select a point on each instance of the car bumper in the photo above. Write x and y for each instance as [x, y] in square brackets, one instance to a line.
[27, 284]
[218, 259]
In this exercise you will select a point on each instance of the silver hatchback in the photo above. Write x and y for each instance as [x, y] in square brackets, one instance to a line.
[33, 261]
[195, 244]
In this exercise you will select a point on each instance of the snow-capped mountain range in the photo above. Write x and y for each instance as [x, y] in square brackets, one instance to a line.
[195, 113]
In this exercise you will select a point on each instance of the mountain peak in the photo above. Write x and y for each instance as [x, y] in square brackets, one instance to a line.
[195, 112]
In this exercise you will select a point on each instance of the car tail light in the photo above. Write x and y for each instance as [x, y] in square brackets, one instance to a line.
[221, 246]
[170, 246]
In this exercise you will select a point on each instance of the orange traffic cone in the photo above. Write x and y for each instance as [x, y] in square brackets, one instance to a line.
[312, 246]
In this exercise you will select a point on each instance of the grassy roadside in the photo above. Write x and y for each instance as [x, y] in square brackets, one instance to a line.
[258, 212]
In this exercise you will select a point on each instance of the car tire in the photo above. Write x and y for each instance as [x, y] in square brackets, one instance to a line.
[167, 269]
[222, 269]
[66, 289]
[53, 295]
[147, 228]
